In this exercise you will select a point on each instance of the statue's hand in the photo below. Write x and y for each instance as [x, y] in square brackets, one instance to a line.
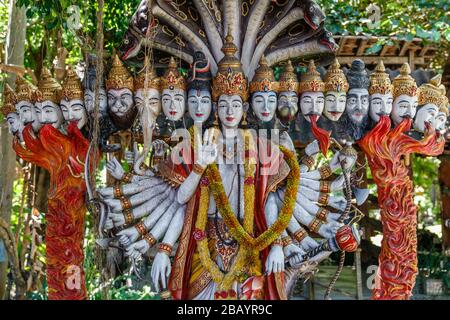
[312, 148]
[115, 168]
[160, 148]
[160, 271]
[338, 183]
[208, 154]
[275, 260]
[308, 243]
[137, 249]
[118, 219]
[128, 236]
[329, 229]
[294, 254]
[337, 202]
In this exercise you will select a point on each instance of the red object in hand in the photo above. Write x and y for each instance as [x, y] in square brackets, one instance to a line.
[347, 239]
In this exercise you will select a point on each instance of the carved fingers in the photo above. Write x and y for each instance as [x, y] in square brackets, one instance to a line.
[115, 168]
[275, 260]
[137, 249]
[128, 236]
[160, 148]
[329, 229]
[308, 243]
[160, 271]
[294, 254]
[312, 148]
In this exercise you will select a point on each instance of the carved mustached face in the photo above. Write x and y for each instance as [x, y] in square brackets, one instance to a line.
[312, 103]
[264, 105]
[49, 112]
[380, 104]
[403, 107]
[357, 106]
[441, 120]
[74, 110]
[334, 105]
[89, 98]
[150, 100]
[426, 114]
[230, 110]
[120, 101]
[199, 105]
[173, 103]
[287, 105]
[15, 125]
[27, 114]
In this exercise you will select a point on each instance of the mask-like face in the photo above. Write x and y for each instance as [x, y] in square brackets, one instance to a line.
[27, 114]
[230, 109]
[89, 97]
[173, 103]
[264, 105]
[441, 119]
[49, 112]
[357, 105]
[426, 114]
[199, 105]
[334, 105]
[312, 103]
[404, 107]
[15, 125]
[74, 110]
[148, 99]
[287, 105]
[120, 101]
[380, 104]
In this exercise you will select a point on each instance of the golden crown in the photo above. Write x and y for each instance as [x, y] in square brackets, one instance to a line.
[311, 81]
[72, 88]
[48, 88]
[404, 83]
[119, 77]
[25, 91]
[264, 79]
[379, 80]
[9, 101]
[230, 79]
[288, 79]
[172, 78]
[335, 79]
[444, 106]
[147, 78]
[433, 92]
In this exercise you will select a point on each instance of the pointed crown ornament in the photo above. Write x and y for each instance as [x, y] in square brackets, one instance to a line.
[48, 88]
[379, 80]
[72, 88]
[264, 79]
[25, 91]
[172, 78]
[9, 101]
[288, 79]
[311, 81]
[119, 77]
[433, 92]
[404, 83]
[230, 78]
[147, 79]
[444, 106]
[335, 79]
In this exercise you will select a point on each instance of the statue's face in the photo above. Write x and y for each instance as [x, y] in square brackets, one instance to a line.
[441, 119]
[380, 104]
[74, 110]
[27, 114]
[312, 103]
[264, 105]
[173, 103]
[120, 101]
[199, 105]
[404, 107]
[334, 105]
[49, 112]
[357, 105]
[426, 114]
[149, 99]
[89, 97]
[230, 110]
[15, 125]
[287, 105]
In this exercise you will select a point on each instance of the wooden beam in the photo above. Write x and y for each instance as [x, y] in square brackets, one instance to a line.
[405, 47]
[362, 48]
[341, 45]
[376, 59]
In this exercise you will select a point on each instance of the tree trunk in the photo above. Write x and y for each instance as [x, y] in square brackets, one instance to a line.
[15, 44]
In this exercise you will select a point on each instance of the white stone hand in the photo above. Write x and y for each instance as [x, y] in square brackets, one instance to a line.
[275, 260]
[160, 148]
[115, 168]
[312, 148]
[337, 202]
[329, 229]
[338, 183]
[160, 271]
[137, 249]
[118, 219]
[128, 236]
[294, 254]
[308, 243]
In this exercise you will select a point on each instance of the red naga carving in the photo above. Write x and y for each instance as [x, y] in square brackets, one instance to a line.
[62, 156]
[398, 258]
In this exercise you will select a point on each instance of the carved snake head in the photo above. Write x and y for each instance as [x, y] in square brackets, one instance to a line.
[326, 39]
[313, 15]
